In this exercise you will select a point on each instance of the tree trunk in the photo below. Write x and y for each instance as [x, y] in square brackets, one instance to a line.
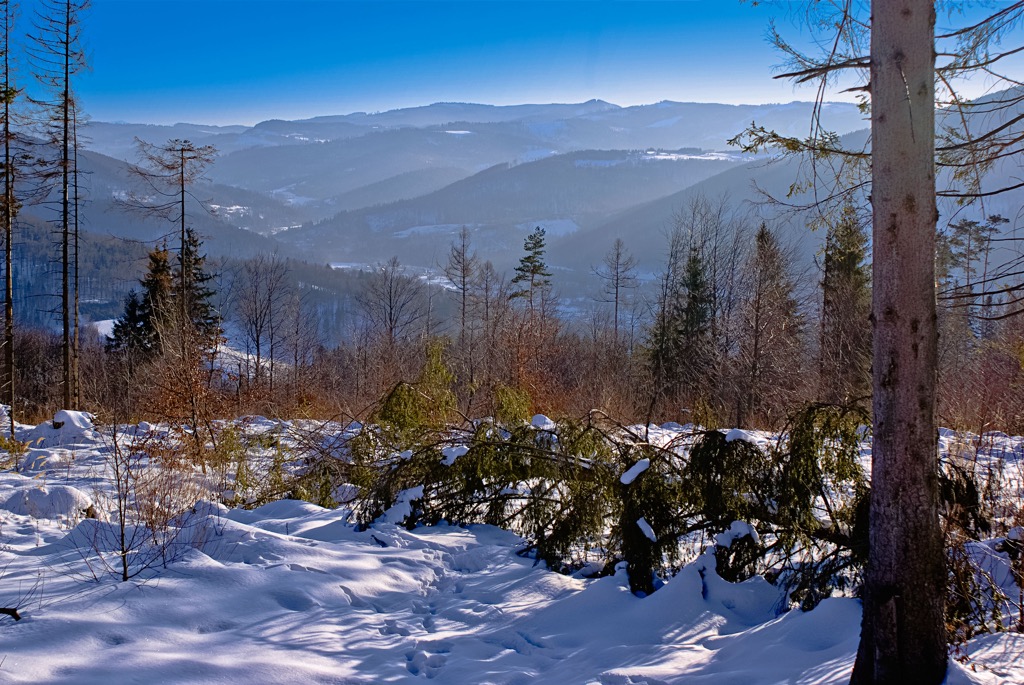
[65, 213]
[8, 215]
[903, 636]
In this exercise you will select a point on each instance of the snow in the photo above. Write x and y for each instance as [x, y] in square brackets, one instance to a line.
[645, 527]
[104, 327]
[48, 502]
[738, 529]
[659, 156]
[542, 422]
[554, 228]
[450, 454]
[402, 508]
[431, 229]
[634, 471]
[292, 592]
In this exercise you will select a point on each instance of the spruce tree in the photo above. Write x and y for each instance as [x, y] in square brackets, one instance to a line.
[137, 331]
[680, 346]
[770, 337]
[129, 333]
[845, 339]
[196, 300]
[695, 347]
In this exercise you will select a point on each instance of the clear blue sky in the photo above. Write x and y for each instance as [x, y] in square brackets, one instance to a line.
[241, 61]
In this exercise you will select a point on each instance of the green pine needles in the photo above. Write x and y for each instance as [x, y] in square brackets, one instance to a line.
[591, 493]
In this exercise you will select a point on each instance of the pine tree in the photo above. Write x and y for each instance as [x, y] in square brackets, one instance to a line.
[845, 338]
[137, 331]
[680, 346]
[57, 56]
[130, 329]
[193, 293]
[770, 344]
[532, 276]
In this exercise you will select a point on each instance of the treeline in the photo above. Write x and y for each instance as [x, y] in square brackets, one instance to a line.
[728, 333]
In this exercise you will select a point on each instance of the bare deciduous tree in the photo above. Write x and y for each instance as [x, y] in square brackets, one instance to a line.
[393, 306]
[261, 299]
[618, 274]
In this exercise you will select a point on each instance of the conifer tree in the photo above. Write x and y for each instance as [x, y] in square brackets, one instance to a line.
[532, 284]
[10, 204]
[166, 172]
[57, 57]
[191, 289]
[680, 347]
[696, 347]
[532, 276]
[770, 336]
[129, 334]
[845, 337]
[908, 70]
[137, 332]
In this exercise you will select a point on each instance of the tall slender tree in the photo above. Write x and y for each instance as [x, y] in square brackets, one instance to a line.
[166, 174]
[903, 635]
[904, 70]
[770, 336]
[618, 274]
[680, 344]
[57, 57]
[461, 270]
[844, 350]
[532, 277]
[9, 92]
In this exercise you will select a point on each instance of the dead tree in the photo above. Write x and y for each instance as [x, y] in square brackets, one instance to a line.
[57, 57]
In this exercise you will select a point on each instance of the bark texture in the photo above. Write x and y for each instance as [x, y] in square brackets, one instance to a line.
[903, 635]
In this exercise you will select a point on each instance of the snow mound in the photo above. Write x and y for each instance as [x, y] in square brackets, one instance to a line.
[402, 509]
[67, 428]
[740, 434]
[39, 460]
[48, 502]
[543, 423]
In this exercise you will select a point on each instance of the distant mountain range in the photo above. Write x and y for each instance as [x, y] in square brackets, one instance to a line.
[364, 186]
[359, 188]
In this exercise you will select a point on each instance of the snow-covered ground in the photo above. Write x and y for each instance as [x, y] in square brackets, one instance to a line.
[291, 592]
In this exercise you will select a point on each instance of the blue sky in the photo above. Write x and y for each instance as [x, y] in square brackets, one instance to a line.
[242, 61]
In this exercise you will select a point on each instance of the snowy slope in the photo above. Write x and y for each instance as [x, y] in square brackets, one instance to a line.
[290, 592]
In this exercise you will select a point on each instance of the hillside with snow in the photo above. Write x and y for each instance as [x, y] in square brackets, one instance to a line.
[293, 592]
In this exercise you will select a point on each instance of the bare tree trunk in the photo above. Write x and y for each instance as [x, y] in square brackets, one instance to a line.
[9, 209]
[182, 304]
[76, 371]
[903, 636]
[65, 210]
